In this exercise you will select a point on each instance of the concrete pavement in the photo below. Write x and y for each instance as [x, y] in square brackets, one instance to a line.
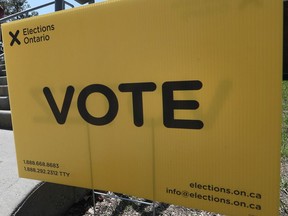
[27, 197]
[12, 189]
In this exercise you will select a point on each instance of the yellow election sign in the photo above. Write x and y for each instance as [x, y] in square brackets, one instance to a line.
[177, 101]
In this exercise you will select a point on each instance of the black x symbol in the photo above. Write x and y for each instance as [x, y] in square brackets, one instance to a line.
[14, 38]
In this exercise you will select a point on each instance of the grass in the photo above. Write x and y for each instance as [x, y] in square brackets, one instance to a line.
[284, 150]
[284, 146]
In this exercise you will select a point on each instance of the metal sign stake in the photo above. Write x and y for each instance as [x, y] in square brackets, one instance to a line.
[94, 202]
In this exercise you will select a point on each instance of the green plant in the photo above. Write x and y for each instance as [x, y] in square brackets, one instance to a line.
[284, 146]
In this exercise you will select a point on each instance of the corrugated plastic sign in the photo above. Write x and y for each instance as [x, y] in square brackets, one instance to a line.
[177, 101]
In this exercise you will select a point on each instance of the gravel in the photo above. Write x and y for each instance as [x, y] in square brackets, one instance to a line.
[107, 206]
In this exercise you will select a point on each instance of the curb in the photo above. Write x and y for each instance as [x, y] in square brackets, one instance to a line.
[49, 199]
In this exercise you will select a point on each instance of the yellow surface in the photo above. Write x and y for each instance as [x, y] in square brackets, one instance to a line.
[232, 47]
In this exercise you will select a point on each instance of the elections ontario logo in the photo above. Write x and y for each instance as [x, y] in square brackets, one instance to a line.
[37, 34]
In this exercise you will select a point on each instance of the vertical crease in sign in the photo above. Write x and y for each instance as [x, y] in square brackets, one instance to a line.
[153, 161]
[90, 157]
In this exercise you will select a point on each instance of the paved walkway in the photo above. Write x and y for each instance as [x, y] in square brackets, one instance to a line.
[25, 197]
[13, 190]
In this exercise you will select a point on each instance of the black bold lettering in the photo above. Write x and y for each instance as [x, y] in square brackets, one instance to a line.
[169, 104]
[112, 100]
[137, 99]
[59, 116]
